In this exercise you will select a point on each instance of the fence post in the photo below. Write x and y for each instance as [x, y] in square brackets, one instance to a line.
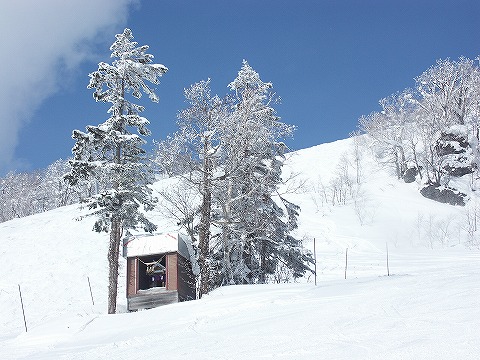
[23, 310]
[315, 259]
[346, 262]
[90, 287]
[388, 267]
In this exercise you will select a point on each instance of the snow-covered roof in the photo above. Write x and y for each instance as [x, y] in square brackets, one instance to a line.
[148, 244]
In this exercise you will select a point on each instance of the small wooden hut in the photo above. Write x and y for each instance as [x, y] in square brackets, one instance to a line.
[159, 270]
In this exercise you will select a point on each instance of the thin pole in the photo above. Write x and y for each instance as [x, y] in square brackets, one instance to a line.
[388, 267]
[90, 287]
[315, 259]
[346, 262]
[23, 311]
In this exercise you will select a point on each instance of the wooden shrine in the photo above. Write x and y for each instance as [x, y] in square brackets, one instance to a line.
[159, 270]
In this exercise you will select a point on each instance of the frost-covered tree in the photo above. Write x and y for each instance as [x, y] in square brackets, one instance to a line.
[229, 151]
[21, 195]
[255, 221]
[57, 191]
[432, 131]
[115, 148]
[448, 93]
[193, 154]
[390, 129]
[447, 97]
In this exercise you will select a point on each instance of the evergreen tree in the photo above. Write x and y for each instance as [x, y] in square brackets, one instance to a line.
[255, 226]
[115, 148]
[228, 150]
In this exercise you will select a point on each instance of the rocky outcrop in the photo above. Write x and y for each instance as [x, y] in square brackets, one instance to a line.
[455, 150]
[410, 174]
[443, 195]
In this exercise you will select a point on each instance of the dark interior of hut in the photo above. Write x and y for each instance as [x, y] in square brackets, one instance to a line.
[152, 271]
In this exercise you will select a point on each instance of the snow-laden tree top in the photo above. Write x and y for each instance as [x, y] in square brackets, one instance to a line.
[248, 85]
[127, 74]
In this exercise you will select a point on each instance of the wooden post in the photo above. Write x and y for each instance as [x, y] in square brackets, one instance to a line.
[315, 259]
[23, 310]
[346, 263]
[90, 287]
[388, 267]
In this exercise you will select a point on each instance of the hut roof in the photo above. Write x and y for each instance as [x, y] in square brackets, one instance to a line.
[149, 244]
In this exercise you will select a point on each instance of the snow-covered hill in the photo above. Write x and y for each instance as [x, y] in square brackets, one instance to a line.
[428, 308]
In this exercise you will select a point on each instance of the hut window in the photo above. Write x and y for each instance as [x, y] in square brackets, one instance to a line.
[152, 271]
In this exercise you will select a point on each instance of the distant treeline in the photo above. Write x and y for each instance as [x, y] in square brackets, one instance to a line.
[27, 193]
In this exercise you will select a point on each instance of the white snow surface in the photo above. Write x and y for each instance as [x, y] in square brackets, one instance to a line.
[428, 308]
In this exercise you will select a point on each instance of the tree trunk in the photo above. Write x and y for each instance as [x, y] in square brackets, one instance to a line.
[113, 256]
[203, 244]
[113, 250]
[204, 226]
[226, 235]
[263, 263]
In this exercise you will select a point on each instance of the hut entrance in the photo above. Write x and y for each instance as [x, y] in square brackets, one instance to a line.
[151, 271]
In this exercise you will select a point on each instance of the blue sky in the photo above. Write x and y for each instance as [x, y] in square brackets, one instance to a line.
[329, 61]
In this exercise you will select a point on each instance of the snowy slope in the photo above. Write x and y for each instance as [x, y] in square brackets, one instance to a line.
[428, 309]
[392, 211]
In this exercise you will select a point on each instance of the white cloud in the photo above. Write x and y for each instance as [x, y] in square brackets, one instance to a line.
[35, 36]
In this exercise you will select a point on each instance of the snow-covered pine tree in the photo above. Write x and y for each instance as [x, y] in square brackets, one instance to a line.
[113, 148]
[255, 227]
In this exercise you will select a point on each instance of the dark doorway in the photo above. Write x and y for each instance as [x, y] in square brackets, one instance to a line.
[151, 271]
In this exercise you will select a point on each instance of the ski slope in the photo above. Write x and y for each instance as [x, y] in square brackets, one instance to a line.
[428, 308]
